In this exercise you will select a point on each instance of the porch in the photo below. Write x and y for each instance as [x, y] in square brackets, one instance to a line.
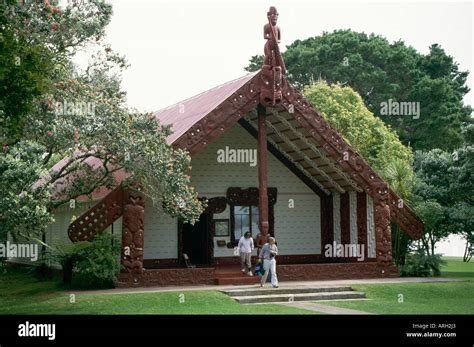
[214, 275]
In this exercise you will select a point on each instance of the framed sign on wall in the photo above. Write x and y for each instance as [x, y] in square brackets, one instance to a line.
[221, 227]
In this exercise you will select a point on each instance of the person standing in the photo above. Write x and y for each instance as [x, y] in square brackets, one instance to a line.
[245, 247]
[261, 240]
[268, 254]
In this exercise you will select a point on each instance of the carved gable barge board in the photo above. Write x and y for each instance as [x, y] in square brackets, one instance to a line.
[246, 98]
[337, 148]
[405, 217]
[97, 218]
[221, 118]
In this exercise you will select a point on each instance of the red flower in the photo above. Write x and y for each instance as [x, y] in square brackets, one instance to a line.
[54, 26]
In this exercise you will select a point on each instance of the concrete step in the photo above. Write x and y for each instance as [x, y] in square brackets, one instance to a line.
[258, 299]
[294, 290]
[236, 280]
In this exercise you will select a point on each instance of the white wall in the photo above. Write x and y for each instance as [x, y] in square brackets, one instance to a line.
[161, 234]
[298, 229]
[56, 232]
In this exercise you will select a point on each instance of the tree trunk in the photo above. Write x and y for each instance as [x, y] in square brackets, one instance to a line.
[67, 266]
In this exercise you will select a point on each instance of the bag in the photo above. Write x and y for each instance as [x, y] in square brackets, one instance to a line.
[259, 271]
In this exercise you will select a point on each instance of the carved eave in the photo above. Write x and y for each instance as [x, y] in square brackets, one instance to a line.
[405, 217]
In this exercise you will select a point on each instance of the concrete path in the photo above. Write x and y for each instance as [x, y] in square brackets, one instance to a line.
[311, 306]
[294, 284]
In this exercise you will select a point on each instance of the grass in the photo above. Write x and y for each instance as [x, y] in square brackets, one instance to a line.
[22, 294]
[455, 267]
[421, 298]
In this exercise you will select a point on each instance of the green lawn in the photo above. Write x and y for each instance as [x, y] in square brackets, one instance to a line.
[421, 298]
[21, 294]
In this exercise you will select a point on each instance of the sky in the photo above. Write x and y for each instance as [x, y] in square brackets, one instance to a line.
[180, 48]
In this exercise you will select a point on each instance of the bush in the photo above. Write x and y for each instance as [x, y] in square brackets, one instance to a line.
[419, 264]
[68, 255]
[97, 265]
[41, 268]
[3, 266]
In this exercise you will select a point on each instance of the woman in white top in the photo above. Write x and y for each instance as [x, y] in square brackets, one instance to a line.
[268, 253]
[245, 250]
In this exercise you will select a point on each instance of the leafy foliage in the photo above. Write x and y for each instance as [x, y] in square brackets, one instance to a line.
[25, 66]
[97, 264]
[419, 264]
[445, 191]
[82, 121]
[22, 207]
[379, 70]
[344, 109]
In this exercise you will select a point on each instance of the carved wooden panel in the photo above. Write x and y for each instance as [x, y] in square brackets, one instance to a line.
[370, 233]
[98, 218]
[405, 217]
[221, 118]
[353, 216]
[383, 234]
[362, 220]
[216, 205]
[133, 234]
[336, 208]
[345, 222]
[327, 236]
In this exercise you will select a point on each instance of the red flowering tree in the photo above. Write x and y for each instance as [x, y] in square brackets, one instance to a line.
[82, 117]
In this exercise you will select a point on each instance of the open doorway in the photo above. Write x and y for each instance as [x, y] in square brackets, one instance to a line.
[195, 240]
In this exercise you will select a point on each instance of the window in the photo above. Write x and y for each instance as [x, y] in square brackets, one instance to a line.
[245, 219]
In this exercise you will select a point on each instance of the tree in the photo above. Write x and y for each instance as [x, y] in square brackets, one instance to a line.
[382, 72]
[401, 178]
[22, 209]
[344, 109]
[445, 183]
[370, 137]
[462, 188]
[84, 120]
[37, 40]
[435, 218]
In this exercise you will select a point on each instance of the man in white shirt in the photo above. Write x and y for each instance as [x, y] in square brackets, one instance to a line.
[245, 247]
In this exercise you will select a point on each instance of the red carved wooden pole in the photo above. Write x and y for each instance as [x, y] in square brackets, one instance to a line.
[133, 235]
[262, 171]
[383, 239]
